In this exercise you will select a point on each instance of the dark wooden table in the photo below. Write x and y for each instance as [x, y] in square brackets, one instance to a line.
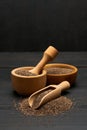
[74, 119]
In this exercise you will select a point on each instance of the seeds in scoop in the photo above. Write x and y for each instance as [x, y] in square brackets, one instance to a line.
[58, 70]
[24, 73]
[39, 97]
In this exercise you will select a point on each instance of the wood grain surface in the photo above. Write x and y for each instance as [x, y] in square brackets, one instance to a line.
[74, 119]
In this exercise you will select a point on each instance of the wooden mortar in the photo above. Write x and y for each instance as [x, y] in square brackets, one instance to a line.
[26, 85]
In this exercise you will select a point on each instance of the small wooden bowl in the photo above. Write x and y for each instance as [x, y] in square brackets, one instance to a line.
[57, 78]
[26, 85]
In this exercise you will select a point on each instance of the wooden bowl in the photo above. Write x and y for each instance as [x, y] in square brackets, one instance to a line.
[26, 85]
[56, 78]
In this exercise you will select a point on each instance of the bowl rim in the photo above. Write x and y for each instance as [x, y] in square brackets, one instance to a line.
[44, 72]
[75, 69]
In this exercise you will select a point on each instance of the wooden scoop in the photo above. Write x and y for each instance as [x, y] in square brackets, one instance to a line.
[56, 92]
[48, 55]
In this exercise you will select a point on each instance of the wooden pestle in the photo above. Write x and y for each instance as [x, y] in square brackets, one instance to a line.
[49, 54]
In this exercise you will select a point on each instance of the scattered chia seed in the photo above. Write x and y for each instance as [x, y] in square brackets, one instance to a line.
[54, 107]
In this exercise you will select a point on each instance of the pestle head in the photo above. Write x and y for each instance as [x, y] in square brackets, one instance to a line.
[51, 51]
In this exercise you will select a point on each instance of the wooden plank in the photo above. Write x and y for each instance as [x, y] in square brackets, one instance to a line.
[76, 118]
[14, 59]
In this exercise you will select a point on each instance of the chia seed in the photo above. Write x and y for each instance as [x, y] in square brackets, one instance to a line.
[58, 70]
[24, 73]
[54, 107]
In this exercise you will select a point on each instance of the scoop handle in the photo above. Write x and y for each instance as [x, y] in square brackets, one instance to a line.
[63, 86]
[48, 55]
[55, 93]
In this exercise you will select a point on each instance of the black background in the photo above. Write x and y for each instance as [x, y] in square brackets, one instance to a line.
[32, 25]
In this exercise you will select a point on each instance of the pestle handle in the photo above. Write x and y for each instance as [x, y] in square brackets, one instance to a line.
[49, 54]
